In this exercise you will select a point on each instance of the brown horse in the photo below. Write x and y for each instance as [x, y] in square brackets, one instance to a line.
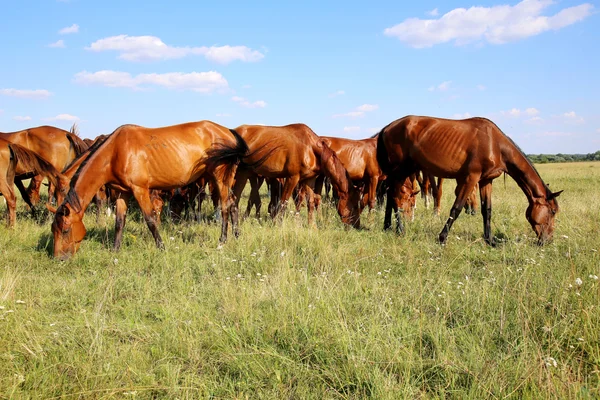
[137, 159]
[55, 145]
[297, 154]
[359, 157]
[16, 160]
[471, 151]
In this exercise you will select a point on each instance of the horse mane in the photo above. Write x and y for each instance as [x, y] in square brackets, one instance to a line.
[333, 167]
[78, 144]
[91, 148]
[31, 161]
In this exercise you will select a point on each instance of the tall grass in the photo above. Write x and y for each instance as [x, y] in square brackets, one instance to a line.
[288, 311]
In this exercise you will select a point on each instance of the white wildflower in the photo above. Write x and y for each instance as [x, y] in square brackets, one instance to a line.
[578, 282]
[594, 277]
[20, 302]
[550, 362]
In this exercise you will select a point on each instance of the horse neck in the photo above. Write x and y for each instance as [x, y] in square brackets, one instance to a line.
[332, 168]
[91, 177]
[523, 172]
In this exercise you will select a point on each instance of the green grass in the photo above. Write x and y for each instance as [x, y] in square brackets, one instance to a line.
[287, 311]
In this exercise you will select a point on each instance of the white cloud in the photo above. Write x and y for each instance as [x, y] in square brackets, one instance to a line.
[151, 48]
[223, 115]
[26, 94]
[69, 29]
[554, 134]
[337, 93]
[245, 103]
[360, 111]
[21, 118]
[462, 116]
[515, 112]
[496, 25]
[481, 87]
[442, 87]
[351, 128]
[532, 111]
[247, 87]
[63, 117]
[434, 12]
[204, 82]
[58, 44]
[368, 107]
[571, 116]
[535, 120]
[597, 130]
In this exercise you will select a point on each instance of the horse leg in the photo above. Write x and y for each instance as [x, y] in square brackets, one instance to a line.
[9, 194]
[318, 190]
[298, 195]
[436, 189]
[307, 189]
[462, 191]
[288, 188]
[142, 196]
[19, 184]
[276, 189]
[120, 216]
[387, 220]
[254, 198]
[485, 191]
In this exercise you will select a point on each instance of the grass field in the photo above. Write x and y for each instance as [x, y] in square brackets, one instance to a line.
[287, 311]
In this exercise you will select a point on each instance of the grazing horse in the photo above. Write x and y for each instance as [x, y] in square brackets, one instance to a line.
[54, 145]
[138, 159]
[359, 157]
[16, 160]
[297, 154]
[471, 151]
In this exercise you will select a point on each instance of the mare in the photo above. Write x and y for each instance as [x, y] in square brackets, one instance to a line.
[471, 151]
[359, 157]
[15, 161]
[137, 159]
[296, 154]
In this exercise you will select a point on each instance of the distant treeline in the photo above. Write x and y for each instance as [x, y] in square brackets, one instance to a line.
[556, 158]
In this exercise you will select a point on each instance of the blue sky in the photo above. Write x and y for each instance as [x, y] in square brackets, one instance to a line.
[344, 68]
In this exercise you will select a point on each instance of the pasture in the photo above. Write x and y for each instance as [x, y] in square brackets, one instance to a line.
[289, 311]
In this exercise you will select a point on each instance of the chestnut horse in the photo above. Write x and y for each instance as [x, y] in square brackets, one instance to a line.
[297, 154]
[359, 157]
[16, 160]
[55, 145]
[137, 159]
[471, 151]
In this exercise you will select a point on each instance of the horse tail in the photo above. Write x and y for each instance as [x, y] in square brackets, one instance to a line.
[78, 144]
[382, 155]
[32, 162]
[333, 168]
[229, 155]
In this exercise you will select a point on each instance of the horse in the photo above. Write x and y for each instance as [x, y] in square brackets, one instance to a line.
[359, 157]
[55, 145]
[15, 161]
[471, 151]
[137, 159]
[295, 153]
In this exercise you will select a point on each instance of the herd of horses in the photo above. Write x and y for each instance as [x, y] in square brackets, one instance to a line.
[176, 163]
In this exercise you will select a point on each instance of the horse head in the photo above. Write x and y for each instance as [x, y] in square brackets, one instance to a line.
[541, 213]
[68, 231]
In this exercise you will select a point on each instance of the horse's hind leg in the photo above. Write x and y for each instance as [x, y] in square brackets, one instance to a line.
[33, 190]
[485, 191]
[389, 204]
[463, 190]
[307, 189]
[288, 188]
[142, 195]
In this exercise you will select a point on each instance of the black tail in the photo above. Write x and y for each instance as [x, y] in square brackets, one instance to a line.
[382, 155]
[227, 154]
[33, 163]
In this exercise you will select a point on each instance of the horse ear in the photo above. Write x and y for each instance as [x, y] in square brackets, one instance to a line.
[555, 195]
[51, 208]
